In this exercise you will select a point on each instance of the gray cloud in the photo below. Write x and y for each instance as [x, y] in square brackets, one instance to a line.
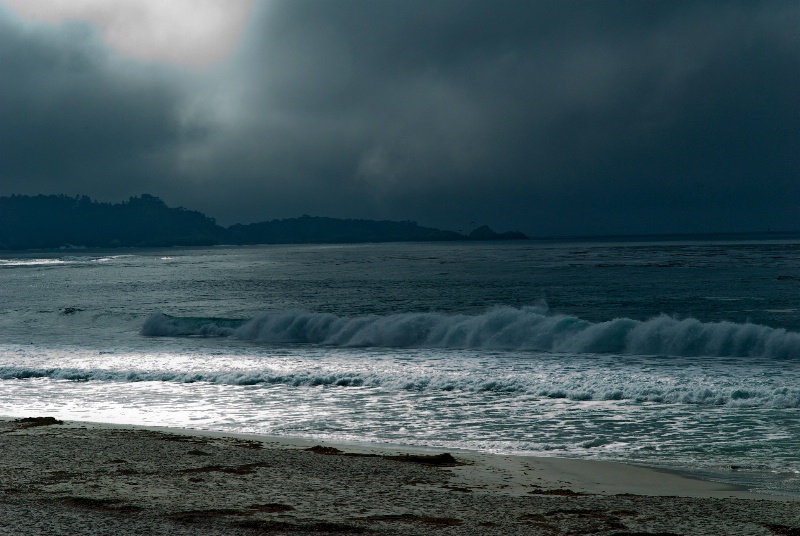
[73, 122]
[552, 118]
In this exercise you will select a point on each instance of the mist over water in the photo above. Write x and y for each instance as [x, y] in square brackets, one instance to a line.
[682, 355]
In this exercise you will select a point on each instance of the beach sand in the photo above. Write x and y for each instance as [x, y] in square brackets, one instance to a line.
[88, 478]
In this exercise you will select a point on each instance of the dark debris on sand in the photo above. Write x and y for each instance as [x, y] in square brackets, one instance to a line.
[784, 530]
[438, 460]
[31, 422]
[106, 505]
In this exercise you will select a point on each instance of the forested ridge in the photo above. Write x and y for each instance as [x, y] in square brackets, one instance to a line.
[53, 221]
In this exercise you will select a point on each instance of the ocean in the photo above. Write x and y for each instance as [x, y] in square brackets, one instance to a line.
[682, 355]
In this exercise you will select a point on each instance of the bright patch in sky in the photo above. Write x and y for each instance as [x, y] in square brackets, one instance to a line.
[184, 32]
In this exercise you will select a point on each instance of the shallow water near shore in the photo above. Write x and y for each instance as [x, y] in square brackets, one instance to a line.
[676, 355]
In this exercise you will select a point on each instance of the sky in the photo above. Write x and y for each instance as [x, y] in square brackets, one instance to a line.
[549, 117]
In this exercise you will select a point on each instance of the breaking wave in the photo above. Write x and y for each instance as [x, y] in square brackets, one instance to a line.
[501, 328]
[588, 388]
[58, 261]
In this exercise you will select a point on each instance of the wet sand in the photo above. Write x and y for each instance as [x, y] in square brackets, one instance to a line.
[88, 478]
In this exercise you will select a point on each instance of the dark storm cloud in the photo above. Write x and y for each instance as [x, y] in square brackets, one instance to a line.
[72, 122]
[551, 117]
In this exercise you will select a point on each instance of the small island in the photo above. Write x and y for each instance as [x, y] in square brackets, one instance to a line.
[57, 221]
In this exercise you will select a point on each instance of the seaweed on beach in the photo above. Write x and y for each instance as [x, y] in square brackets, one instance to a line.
[127, 471]
[177, 438]
[107, 505]
[244, 469]
[204, 516]
[590, 520]
[413, 518]
[271, 508]
[439, 460]
[247, 443]
[558, 492]
[459, 489]
[444, 459]
[328, 451]
[783, 530]
[31, 422]
[323, 527]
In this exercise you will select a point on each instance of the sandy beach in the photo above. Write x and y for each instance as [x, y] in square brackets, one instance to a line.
[80, 478]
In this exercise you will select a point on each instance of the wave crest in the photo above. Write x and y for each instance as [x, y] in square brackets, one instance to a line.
[500, 328]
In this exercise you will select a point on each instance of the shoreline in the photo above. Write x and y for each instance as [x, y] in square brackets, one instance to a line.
[91, 476]
[591, 476]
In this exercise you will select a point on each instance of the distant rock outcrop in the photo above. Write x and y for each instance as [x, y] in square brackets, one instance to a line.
[308, 229]
[58, 221]
[485, 232]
